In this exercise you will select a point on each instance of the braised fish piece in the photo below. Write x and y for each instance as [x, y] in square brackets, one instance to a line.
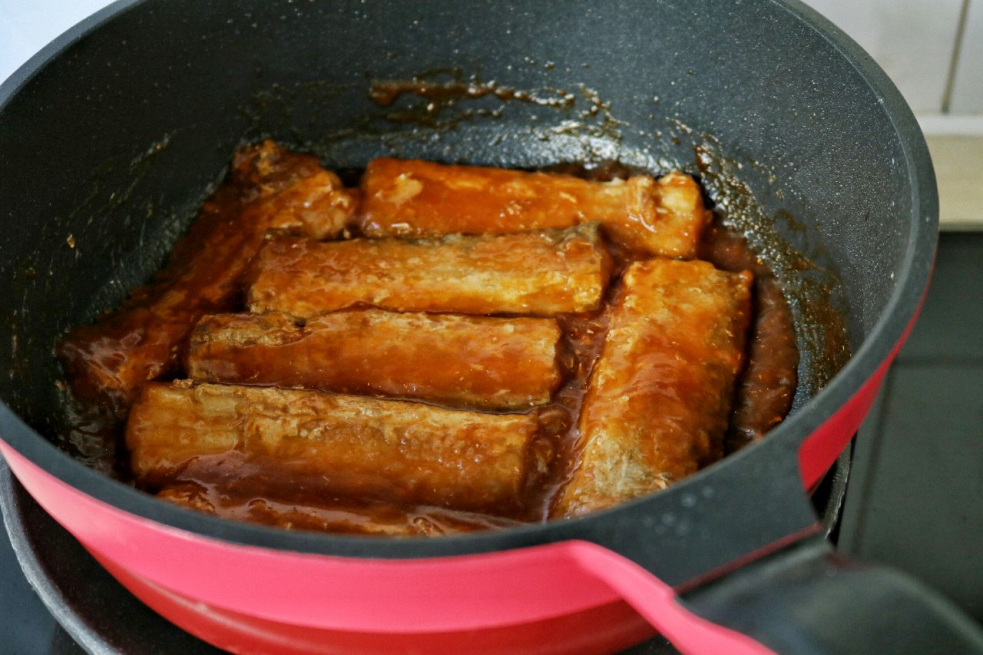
[269, 189]
[541, 273]
[660, 393]
[476, 361]
[409, 198]
[442, 349]
[359, 447]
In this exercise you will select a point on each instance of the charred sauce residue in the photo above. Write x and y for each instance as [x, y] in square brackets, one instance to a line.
[444, 89]
[385, 92]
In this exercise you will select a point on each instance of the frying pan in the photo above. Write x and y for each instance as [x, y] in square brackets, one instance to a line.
[112, 136]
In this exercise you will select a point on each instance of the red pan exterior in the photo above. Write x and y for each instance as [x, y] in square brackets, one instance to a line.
[605, 629]
[256, 600]
[821, 448]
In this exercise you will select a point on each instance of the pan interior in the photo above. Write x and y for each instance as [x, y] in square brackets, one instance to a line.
[107, 151]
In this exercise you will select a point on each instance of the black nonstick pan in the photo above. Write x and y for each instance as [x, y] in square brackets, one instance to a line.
[112, 136]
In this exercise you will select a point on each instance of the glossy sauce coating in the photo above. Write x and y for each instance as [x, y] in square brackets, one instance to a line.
[410, 198]
[329, 444]
[464, 361]
[659, 397]
[270, 189]
[232, 485]
[537, 273]
[241, 501]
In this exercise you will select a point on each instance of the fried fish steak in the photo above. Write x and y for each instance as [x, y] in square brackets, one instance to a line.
[354, 446]
[418, 199]
[269, 189]
[466, 361]
[660, 394]
[540, 273]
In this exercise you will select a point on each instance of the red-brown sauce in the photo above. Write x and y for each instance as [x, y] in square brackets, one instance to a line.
[766, 388]
[226, 486]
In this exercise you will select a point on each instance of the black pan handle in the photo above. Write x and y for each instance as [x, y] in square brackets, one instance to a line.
[807, 599]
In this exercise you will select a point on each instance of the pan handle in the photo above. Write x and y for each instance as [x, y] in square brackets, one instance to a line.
[804, 599]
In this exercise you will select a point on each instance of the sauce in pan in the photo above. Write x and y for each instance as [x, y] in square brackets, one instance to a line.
[247, 482]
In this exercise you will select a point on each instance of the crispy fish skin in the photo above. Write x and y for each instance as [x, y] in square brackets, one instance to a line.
[470, 361]
[270, 188]
[350, 445]
[418, 199]
[660, 395]
[539, 273]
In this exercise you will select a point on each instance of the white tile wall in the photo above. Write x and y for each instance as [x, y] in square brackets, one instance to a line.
[911, 39]
[967, 93]
[27, 25]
